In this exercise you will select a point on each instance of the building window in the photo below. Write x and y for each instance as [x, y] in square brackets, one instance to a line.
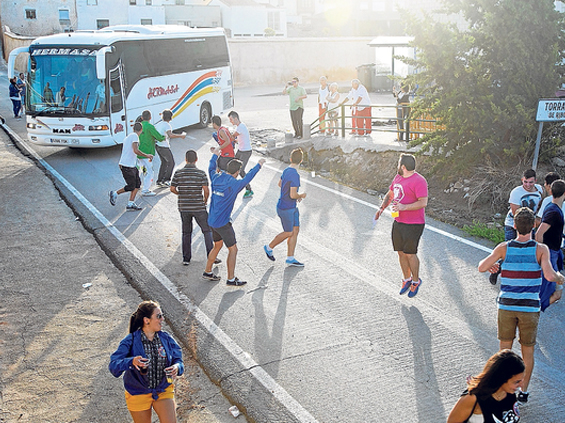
[92, 2]
[64, 15]
[215, 24]
[147, 22]
[102, 23]
[30, 14]
[274, 20]
[185, 23]
[180, 2]
[148, 2]
[132, 2]
[379, 6]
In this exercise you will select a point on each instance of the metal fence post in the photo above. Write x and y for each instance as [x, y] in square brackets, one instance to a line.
[342, 121]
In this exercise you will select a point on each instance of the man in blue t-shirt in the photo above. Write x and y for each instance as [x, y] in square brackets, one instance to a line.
[225, 187]
[550, 232]
[287, 210]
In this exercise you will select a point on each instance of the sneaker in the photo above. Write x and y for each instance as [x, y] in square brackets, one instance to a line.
[160, 185]
[235, 282]
[522, 397]
[493, 278]
[414, 287]
[270, 255]
[294, 262]
[217, 261]
[148, 193]
[406, 284]
[185, 263]
[113, 197]
[248, 194]
[133, 207]
[210, 276]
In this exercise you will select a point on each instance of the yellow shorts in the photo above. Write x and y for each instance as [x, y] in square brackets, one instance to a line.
[145, 401]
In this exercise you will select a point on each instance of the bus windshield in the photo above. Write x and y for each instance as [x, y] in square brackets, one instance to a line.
[61, 84]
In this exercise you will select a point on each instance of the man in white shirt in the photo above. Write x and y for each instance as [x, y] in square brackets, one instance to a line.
[529, 194]
[360, 109]
[244, 149]
[323, 92]
[128, 166]
[163, 148]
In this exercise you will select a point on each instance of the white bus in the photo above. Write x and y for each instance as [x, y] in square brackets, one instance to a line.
[85, 89]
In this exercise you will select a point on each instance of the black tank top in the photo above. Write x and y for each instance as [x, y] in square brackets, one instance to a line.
[503, 411]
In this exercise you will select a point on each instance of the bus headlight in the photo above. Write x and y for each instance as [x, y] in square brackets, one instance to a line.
[31, 126]
[98, 128]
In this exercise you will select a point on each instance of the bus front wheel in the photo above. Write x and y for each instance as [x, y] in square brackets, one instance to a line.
[205, 115]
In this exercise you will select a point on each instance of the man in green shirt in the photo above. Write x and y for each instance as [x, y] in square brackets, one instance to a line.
[296, 94]
[147, 140]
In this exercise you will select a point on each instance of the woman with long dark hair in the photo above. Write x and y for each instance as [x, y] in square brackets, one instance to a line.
[490, 397]
[150, 360]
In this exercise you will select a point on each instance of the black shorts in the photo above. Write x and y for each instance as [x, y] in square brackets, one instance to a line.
[224, 233]
[131, 176]
[223, 162]
[405, 237]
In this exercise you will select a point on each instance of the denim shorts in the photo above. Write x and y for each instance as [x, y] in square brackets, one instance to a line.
[289, 218]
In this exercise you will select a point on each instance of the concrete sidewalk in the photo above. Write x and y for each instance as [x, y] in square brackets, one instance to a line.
[64, 309]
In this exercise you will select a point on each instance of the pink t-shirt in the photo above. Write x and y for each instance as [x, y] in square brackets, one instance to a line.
[407, 191]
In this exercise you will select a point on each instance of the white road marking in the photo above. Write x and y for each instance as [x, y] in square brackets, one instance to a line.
[245, 360]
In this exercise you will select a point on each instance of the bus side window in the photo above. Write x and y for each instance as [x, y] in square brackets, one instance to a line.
[116, 102]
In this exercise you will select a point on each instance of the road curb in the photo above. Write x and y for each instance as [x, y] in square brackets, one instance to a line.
[240, 379]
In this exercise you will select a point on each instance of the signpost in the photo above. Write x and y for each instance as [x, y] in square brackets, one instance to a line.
[549, 110]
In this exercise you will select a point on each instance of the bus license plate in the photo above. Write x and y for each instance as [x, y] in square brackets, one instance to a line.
[59, 141]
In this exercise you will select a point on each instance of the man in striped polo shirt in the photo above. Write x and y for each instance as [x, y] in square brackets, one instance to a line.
[523, 259]
[191, 186]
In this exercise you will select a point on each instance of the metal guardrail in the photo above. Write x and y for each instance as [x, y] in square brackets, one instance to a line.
[411, 127]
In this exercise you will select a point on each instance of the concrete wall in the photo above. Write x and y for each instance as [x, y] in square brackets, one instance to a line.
[275, 61]
[12, 41]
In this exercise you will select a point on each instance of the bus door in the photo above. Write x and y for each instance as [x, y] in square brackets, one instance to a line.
[118, 122]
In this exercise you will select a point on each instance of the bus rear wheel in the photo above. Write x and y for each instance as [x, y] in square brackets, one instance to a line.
[205, 115]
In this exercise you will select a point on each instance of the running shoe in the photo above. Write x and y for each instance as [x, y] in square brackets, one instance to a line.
[270, 255]
[414, 287]
[185, 263]
[406, 284]
[235, 282]
[217, 261]
[148, 193]
[248, 194]
[522, 397]
[294, 262]
[133, 207]
[113, 197]
[210, 276]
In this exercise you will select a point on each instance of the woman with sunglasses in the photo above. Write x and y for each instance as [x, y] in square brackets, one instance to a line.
[149, 359]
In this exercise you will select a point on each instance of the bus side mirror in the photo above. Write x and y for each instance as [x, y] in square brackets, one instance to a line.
[101, 62]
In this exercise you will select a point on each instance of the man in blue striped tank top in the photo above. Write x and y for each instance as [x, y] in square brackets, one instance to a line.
[523, 260]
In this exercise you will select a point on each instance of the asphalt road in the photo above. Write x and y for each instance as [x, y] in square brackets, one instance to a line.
[335, 335]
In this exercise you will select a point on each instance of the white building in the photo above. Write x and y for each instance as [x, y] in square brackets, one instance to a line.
[96, 14]
[248, 18]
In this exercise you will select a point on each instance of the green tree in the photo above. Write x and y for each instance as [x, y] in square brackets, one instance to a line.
[483, 81]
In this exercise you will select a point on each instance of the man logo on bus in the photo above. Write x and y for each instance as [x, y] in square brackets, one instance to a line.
[119, 128]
